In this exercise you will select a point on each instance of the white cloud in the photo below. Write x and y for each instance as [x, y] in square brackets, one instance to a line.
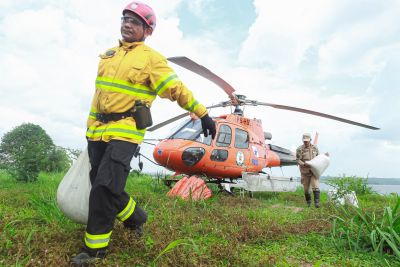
[346, 43]
[44, 32]
[283, 33]
[197, 7]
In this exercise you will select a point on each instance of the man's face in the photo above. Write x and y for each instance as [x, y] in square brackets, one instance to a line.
[133, 28]
[306, 143]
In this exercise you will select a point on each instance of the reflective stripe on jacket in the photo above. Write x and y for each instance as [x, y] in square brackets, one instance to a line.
[130, 72]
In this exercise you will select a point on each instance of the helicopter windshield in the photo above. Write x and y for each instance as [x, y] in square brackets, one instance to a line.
[191, 130]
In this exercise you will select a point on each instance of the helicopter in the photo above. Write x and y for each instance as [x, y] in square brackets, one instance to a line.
[240, 145]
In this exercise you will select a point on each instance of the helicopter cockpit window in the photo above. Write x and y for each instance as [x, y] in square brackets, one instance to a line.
[241, 139]
[192, 130]
[224, 136]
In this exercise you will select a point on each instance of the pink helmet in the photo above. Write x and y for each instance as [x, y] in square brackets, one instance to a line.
[143, 11]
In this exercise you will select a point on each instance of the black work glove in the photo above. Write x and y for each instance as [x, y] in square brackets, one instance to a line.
[208, 126]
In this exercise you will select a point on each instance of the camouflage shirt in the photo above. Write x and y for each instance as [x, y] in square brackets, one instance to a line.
[304, 154]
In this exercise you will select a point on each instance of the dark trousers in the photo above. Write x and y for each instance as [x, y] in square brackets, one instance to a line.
[110, 168]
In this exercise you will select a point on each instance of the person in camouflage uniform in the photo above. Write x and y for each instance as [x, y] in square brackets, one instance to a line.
[304, 153]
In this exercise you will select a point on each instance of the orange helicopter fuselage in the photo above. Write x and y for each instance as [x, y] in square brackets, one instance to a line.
[239, 147]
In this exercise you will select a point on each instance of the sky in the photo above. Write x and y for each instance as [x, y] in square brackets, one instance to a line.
[337, 57]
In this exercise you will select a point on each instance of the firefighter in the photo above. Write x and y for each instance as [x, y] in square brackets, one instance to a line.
[130, 76]
[304, 153]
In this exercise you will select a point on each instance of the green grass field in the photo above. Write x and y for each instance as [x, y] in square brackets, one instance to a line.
[268, 230]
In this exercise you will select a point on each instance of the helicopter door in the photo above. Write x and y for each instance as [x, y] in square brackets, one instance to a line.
[224, 139]
[242, 145]
[241, 139]
[220, 155]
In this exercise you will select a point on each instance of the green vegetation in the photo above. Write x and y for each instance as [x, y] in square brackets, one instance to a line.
[346, 184]
[367, 231]
[268, 230]
[28, 149]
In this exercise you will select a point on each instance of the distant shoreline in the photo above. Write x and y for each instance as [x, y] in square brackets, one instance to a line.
[373, 180]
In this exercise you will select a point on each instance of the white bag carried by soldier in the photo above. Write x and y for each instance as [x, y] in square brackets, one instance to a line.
[319, 164]
[74, 189]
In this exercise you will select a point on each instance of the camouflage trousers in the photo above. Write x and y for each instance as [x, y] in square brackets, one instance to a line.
[310, 182]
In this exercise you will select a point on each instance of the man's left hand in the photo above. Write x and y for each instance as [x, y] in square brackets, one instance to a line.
[208, 126]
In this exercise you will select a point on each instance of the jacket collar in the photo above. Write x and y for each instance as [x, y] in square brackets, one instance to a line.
[129, 46]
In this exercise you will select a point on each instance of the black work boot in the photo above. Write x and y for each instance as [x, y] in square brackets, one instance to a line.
[308, 199]
[316, 199]
[87, 257]
[136, 220]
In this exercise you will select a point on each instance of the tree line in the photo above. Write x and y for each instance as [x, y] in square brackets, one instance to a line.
[27, 150]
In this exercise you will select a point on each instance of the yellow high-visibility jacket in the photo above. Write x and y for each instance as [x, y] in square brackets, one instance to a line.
[129, 72]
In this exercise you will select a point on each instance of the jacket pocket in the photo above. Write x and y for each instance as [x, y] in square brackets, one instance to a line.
[138, 73]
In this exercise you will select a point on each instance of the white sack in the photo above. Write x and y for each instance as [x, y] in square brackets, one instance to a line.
[74, 189]
[335, 198]
[351, 199]
[348, 198]
[319, 164]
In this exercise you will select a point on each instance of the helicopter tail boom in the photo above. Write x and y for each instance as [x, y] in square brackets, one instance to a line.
[279, 156]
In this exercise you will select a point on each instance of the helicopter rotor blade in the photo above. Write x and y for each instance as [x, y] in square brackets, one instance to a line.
[162, 124]
[315, 113]
[204, 72]
[171, 120]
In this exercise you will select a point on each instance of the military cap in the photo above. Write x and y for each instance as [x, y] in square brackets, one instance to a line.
[306, 137]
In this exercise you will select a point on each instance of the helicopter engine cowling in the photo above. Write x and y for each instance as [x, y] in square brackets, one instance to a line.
[267, 136]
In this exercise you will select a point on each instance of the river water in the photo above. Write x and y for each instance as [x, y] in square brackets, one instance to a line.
[379, 188]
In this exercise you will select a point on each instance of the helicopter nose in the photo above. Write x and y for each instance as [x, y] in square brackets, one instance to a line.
[167, 153]
[161, 155]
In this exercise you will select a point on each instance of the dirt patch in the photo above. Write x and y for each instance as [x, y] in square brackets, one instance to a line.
[309, 226]
[291, 208]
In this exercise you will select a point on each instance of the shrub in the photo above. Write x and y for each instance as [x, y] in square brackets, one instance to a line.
[346, 184]
[23, 150]
[57, 160]
[28, 149]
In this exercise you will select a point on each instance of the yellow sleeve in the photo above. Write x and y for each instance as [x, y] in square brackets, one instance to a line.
[92, 114]
[166, 83]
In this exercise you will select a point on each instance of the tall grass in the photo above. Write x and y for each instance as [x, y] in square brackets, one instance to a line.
[363, 231]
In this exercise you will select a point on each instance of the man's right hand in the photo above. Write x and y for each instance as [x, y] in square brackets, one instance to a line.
[208, 126]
